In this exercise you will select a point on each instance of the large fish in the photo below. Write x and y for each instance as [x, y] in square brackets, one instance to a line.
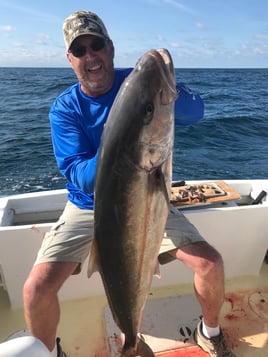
[132, 187]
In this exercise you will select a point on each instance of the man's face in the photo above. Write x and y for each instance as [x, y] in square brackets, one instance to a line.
[92, 60]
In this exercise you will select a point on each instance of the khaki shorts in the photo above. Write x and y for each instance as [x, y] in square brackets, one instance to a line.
[70, 238]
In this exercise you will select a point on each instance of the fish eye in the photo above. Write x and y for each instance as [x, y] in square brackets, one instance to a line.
[149, 109]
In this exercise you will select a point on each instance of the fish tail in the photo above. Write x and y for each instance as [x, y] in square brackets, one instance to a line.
[129, 352]
[143, 350]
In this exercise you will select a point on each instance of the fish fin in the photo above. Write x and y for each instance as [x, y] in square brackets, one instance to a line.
[165, 257]
[163, 185]
[93, 261]
[143, 350]
[157, 270]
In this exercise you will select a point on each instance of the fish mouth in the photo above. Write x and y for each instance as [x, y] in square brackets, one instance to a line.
[169, 92]
[164, 64]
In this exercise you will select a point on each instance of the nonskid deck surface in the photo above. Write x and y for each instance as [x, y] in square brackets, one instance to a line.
[168, 325]
[87, 330]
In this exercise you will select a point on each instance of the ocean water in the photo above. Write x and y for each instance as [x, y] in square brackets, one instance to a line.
[231, 142]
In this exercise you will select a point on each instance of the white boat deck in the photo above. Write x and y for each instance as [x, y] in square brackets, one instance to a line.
[87, 330]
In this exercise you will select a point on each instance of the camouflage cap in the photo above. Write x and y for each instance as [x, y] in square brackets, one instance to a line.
[82, 23]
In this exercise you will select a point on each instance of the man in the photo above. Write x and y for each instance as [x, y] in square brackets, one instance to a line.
[77, 118]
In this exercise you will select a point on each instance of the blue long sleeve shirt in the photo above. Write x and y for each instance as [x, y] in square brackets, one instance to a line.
[77, 122]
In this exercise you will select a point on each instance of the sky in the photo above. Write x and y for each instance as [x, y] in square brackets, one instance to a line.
[198, 33]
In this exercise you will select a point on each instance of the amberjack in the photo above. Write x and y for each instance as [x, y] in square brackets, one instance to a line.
[132, 192]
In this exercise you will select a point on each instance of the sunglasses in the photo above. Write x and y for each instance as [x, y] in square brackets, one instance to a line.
[97, 45]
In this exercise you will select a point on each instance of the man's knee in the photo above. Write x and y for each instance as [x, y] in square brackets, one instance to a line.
[33, 288]
[211, 261]
[201, 257]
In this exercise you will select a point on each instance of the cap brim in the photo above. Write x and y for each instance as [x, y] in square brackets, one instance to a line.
[86, 33]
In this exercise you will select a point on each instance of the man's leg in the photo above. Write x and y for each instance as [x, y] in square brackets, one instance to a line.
[207, 266]
[41, 306]
[182, 241]
[63, 251]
